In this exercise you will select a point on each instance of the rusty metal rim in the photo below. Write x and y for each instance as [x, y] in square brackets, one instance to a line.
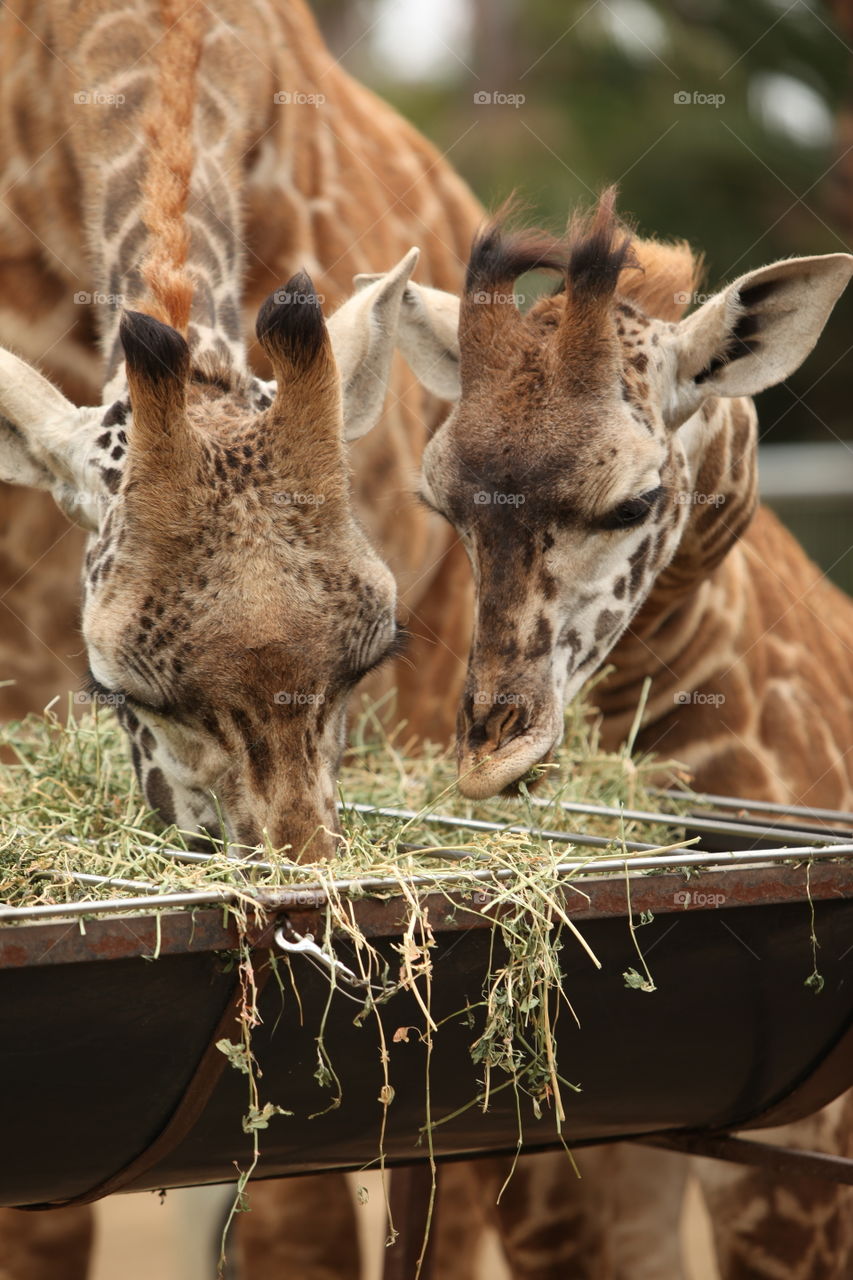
[158, 931]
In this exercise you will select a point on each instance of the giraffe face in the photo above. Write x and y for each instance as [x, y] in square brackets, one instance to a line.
[231, 600]
[568, 512]
[568, 465]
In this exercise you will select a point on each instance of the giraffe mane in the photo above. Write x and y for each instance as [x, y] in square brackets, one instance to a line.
[168, 127]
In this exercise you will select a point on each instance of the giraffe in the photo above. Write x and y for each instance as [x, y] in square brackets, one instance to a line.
[154, 154]
[341, 189]
[600, 469]
[313, 171]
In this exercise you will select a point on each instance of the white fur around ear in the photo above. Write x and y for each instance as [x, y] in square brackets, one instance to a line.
[756, 332]
[364, 337]
[428, 336]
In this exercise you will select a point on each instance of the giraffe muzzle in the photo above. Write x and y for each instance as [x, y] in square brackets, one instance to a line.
[499, 741]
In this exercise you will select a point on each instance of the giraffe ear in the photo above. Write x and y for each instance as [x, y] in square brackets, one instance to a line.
[364, 338]
[428, 337]
[756, 332]
[45, 440]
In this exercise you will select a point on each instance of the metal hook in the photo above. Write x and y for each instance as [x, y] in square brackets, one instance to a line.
[305, 943]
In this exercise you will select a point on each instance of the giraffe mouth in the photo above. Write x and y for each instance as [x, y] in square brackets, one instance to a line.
[483, 773]
[532, 780]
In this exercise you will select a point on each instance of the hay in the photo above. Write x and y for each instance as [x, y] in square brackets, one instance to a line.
[70, 802]
[70, 805]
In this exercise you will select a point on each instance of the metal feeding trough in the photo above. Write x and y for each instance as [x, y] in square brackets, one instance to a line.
[110, 1079]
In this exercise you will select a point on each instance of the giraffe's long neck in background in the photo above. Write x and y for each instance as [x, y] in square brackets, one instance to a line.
[160, 149]
[686, 629]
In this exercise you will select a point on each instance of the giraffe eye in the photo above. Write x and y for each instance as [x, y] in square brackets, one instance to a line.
[632, 511]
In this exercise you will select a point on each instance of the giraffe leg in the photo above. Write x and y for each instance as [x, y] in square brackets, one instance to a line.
[298, 1229]
[54, 1245]
[771, 1228]
[460, 1221]
[619, 1221]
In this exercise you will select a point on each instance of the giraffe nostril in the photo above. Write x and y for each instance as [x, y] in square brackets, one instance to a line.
[498, 726]
[506, 726]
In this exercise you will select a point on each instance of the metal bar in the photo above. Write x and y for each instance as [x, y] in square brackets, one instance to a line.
[693, 822]
[87, 877]
[719, 826]
[660, 863]
[783, 1161]
[107, 906]
[275, 899]
[757, 806]
[481, 824]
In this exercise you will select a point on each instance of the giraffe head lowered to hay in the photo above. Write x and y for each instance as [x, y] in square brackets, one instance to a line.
[232, 601]
[584, 431]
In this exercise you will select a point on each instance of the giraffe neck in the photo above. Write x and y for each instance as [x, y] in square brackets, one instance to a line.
[685, 628]
[162, 183]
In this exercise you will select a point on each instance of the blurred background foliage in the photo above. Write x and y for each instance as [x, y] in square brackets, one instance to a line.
[629, 91]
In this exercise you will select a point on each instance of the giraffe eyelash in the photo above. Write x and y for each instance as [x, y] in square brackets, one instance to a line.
[633, 511]
[393, 650]
[93, 688]
[98, 693]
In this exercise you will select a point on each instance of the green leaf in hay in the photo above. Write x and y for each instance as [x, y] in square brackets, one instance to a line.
[237, 1055]
[259, 1118]
[637, 982]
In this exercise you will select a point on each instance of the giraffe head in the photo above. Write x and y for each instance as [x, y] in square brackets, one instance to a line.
[568, 464]
[231, 600]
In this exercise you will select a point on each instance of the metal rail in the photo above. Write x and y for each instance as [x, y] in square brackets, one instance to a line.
[804, 812]
[815, 843]
[716, 826]
[275, 899]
